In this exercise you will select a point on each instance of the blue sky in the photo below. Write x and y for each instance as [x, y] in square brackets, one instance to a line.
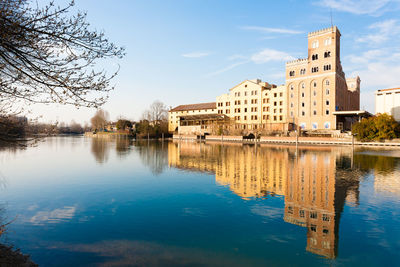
[190, 51]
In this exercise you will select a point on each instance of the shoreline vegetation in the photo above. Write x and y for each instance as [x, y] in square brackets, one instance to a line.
[13, 257]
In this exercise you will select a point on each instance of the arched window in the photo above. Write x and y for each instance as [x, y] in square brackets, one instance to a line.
[303, 86]
[314, 57]
[327, 82]
[315, 44]
[291, 73]
[327, 54]
[315, 84]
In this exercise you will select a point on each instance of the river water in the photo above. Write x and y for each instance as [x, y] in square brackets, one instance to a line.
[76, 201]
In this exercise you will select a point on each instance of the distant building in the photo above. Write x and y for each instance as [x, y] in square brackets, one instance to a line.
[388, 101]
[179, 113]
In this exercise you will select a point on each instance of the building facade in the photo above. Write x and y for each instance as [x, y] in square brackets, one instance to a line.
[175, 114]
[255, 105]
[317, 86]
[388, 101]
[316, 95]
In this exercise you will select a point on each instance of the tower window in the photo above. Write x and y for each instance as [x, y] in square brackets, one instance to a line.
[327, 112]
[327, 82]
[303, 71]
[315, 44]
[327, 102]
[315, 112]
[314, 69]
[303, 85]
[327, 54]
[315, 93]
[328, 41]
[327, 67]
[291, 73]
[314, 57]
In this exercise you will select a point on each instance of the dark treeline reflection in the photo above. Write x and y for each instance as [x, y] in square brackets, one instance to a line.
[315, 182]
[154, 155]
[101, 148]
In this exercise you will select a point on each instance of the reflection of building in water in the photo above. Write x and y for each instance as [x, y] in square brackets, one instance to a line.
[310, 200]
[247, 171]
[316, 183]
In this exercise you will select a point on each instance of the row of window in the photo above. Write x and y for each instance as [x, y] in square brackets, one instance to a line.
[303, 113]
[303, 85]
[326, 55]
[254, 92]
[327, 41]
[265, 117]
[303, 94]
[292, 73]
[221, 104]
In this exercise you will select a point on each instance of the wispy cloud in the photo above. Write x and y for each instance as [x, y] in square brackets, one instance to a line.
[231, 66]
[268, 55]
[196, 54]
[383, 31]
[270, 30]
[264, 56]
[361, 7]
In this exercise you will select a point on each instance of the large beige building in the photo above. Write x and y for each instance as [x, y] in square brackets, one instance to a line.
[315, 96]
[317, 86]
[388, 101]
[255, 105]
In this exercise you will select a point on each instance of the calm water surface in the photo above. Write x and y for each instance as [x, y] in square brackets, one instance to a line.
[75, 201]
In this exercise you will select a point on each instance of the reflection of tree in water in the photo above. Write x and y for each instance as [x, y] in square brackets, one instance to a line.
[122, 146]
[154, 155]
[100, 149]
[380, 164]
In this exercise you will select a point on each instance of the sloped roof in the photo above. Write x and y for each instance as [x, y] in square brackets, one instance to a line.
[210, 105]
[389, 89]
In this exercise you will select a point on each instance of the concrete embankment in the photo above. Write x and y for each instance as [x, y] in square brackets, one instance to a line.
[291, 140]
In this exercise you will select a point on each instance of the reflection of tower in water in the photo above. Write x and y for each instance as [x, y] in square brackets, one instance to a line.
[315, 181]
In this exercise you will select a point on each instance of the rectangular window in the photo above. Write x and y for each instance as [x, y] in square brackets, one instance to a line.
[313, 215]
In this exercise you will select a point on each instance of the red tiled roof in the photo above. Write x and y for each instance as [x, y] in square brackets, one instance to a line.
[211, 105]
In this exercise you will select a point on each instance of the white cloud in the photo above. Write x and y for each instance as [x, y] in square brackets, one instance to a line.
[384, 30]
[270, 30]
[268, 55]
[361, 7]
[196, 54]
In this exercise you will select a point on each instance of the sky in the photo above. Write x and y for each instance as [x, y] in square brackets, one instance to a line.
[190, 51]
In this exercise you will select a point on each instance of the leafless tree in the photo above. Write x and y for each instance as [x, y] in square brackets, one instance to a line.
[157, 112]
[99, 120]
[48, 55]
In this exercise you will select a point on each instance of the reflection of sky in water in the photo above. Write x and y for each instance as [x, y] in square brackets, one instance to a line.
[82, 201]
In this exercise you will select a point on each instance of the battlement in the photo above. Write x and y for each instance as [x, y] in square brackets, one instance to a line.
[323, 31]
[296, 62]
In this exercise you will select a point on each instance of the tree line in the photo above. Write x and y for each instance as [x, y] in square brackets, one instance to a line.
[153, 122]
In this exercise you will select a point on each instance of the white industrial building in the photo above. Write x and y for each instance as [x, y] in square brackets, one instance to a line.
[388, 101]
